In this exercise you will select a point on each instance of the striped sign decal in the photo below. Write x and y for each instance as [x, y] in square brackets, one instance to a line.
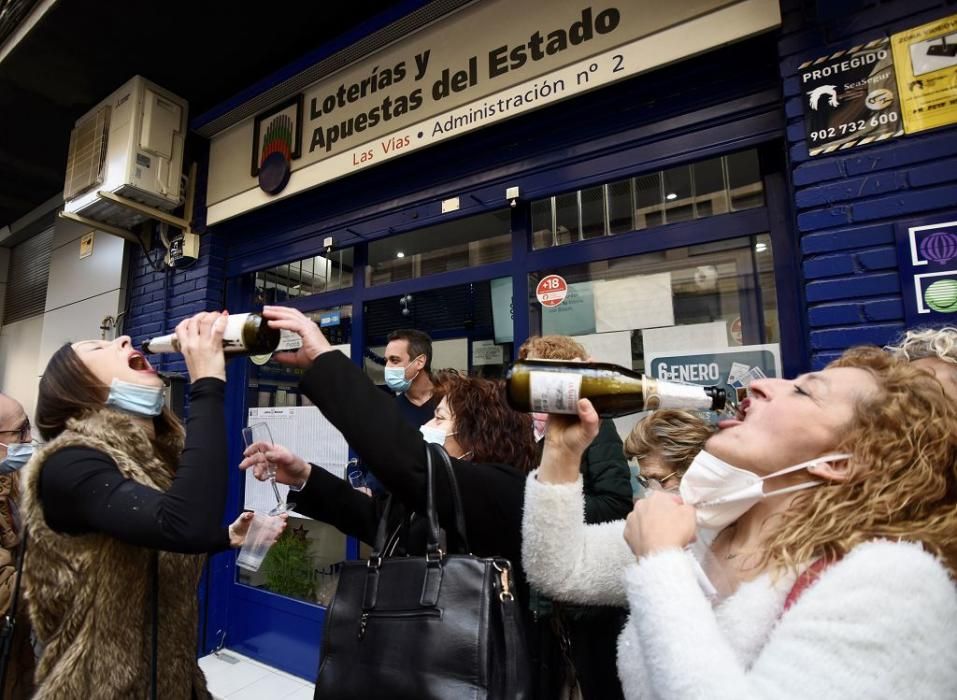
[854, 142]
[838, 54]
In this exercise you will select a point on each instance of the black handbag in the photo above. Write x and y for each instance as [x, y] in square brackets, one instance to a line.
[435, 626]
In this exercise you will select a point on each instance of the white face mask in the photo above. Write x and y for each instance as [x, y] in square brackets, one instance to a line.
[434, 435]
[721, 493]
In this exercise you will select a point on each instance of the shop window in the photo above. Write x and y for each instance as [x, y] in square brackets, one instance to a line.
[683, 193]
[650, 202]
[302, 278]
[476, 240]
[592, 207]
[744, 180]
[621, 206]
[470, 325]
[695, 299]
[566, 218]
[303, 564]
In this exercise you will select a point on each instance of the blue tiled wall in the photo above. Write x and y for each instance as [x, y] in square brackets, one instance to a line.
[846, 205]
[161, 299]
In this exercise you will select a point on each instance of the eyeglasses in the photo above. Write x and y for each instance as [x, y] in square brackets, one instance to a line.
[656, 484]
[22, 433]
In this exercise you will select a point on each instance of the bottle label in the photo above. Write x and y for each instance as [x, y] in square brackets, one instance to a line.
[554, 392]
[233, 335]
[687, 396]
[288, 341]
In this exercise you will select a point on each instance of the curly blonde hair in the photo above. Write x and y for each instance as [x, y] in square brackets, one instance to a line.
[552, 347]
[673, 435]
[903, 473]
[921, 343]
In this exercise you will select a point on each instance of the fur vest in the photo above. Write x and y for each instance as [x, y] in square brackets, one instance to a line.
[89, 596]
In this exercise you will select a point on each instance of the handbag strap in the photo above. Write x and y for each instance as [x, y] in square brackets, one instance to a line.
[9, 622]
[432, 546]
[458, 510]
[379, 545]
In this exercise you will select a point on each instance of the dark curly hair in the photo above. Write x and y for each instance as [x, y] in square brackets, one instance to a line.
[485, 424]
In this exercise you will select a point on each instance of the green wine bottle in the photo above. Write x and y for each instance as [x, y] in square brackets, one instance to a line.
[245, 334]
[555, 386]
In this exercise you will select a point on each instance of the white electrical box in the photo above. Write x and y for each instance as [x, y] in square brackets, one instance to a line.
[130, 144]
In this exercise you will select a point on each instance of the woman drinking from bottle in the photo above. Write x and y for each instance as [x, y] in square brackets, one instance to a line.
[831, 506]
[118, 503]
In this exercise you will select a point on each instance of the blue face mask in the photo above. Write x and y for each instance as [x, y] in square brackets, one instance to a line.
[137, 399]
[395, 378]
[18, 454]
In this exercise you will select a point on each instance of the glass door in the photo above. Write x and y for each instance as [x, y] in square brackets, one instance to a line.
[276, 614]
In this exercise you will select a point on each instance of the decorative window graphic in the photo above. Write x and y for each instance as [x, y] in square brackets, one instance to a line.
[927, 255]
[277, 141]
[935, 244]
[936, 291]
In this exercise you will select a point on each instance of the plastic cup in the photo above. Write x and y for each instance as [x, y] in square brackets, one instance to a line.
[263, 531]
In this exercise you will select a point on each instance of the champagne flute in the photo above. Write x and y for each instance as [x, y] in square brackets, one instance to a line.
[260, 433]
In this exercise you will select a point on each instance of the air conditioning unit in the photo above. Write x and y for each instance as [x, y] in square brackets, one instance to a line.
[130, 144]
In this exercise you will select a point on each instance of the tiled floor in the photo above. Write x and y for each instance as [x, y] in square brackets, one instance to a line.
[232, 676]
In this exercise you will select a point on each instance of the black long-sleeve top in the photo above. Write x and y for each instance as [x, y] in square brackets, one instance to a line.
[82, 491]
[492, 494]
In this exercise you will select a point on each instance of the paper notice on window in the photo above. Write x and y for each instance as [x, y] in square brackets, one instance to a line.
[486, 352]
[642, 301]
[686, 338]
[305, 432]
[608, 347]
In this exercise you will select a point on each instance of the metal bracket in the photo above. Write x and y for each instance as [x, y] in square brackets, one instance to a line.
[151, 212]
[100, 226]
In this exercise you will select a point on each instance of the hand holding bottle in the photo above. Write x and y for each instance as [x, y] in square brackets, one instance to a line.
[200, 339]
[314, 343]
[566, 439]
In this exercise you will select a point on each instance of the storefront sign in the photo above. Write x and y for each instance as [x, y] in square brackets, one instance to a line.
[487, 62]
[733, 366]
[551, 290]
[850, 98]
[927, 256]
[926, 58]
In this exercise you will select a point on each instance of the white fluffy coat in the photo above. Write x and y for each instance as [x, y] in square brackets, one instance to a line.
[880, 623]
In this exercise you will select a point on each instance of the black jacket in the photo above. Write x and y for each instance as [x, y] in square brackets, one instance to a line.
[370, 421]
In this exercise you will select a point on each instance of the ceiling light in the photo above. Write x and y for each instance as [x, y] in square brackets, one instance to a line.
[760, 247]
[671, 195]
[400, 254]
